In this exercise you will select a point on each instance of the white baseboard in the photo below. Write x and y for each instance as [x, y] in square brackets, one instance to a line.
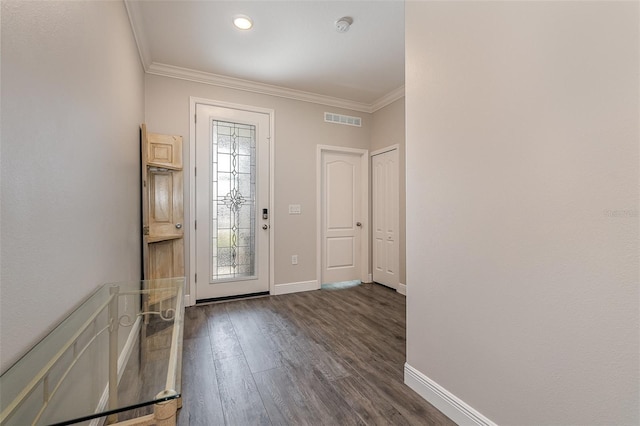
[370, 278]
[402, 289]
[452, 406]
[295, 287]
[123, 359]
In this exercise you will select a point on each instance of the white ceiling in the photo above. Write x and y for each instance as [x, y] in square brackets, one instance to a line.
[293, 45]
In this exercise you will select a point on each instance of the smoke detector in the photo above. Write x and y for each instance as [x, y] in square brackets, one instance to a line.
[343, 24]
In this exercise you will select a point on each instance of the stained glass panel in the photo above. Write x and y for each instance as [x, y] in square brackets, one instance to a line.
[233, 195]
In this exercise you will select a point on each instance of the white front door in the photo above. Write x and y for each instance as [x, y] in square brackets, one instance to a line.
[232, 201]
[385, 209]
[343, 216]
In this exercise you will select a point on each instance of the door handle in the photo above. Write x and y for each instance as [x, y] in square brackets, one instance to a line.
[358, 223]
[265, 226]
[178, 225]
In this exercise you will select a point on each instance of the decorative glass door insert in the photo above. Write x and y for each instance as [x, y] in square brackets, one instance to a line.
[233, 195]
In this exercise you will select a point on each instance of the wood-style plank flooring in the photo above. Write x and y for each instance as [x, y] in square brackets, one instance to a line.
[326, 357]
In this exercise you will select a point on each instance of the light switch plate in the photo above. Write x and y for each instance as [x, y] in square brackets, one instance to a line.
[294, 209]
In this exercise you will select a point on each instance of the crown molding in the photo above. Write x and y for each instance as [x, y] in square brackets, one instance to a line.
[387, 99]
[135, 21]
[252, 86]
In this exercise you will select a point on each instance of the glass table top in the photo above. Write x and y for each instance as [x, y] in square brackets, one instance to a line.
[127, 334]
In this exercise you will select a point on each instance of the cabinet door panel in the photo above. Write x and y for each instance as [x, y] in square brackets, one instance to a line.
[164, 151]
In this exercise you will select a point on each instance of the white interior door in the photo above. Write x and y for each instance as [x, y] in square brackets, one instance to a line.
[343, 217]
[386, 205]
[232, 202]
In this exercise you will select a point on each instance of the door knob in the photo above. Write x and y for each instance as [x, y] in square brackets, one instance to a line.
[178, 225]
[265, 226]
[358, 223]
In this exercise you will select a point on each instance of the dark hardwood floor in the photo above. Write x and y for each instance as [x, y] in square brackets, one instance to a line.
[327, 357]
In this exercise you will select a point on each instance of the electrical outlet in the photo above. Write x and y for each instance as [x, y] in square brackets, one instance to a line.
[294, 259]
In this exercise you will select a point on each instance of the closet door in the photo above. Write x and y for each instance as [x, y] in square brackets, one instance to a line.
[386, 208]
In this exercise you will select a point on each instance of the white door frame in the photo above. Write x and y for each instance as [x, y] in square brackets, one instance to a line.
[365, 273]
[193, 101]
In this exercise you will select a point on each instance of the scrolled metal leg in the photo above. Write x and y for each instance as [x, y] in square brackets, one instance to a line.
[113, 353]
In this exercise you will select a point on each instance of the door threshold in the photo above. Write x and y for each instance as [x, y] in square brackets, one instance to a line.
[341, 285]
[235, 297]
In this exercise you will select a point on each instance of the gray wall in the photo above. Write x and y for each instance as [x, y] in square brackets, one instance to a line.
[522, 201]
[72, 103]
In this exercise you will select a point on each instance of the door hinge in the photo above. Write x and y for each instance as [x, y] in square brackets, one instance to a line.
[195, 171]
[195, 278]
[195, 118]
[145, 230]
[195, 224]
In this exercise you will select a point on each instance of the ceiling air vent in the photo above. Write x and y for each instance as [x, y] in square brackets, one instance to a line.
[330, 117]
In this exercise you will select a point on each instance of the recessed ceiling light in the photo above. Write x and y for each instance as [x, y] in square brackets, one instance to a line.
[242, 22]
